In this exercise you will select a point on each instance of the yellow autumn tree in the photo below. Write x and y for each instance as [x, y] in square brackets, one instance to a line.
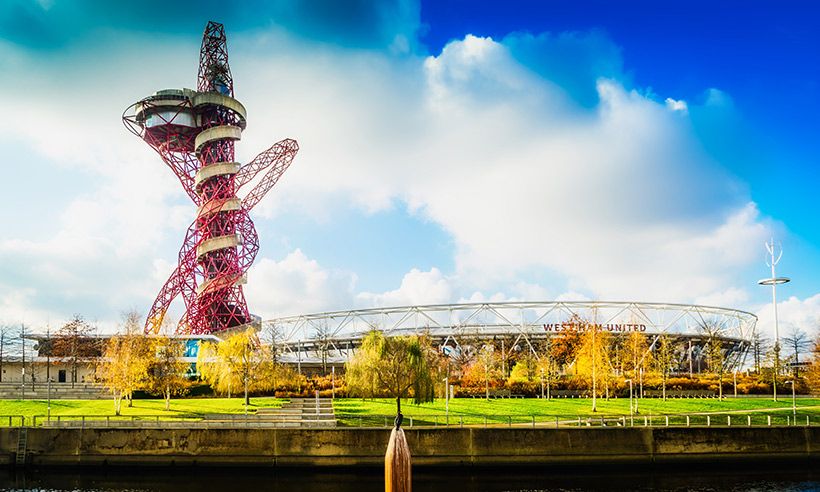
[125, 362]
[236, 362]
[484, 370]
[525, 370]
[167, 369]
[593, 363]
[636, 357]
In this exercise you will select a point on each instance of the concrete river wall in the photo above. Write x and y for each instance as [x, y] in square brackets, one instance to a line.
[429, 446]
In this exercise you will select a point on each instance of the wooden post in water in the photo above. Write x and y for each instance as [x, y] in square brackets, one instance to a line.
[397, 472]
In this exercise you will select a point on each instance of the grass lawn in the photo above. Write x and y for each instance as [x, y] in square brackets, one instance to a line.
[179, 407]
[354, 411]
[358, 412]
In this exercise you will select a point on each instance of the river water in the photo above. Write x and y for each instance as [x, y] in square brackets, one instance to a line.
[515, 480]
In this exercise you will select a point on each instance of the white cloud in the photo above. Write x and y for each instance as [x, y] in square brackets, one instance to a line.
[793, 313]
[618, 201]
[417, 288]
[614, 201]
[297, 285]
[675, 105]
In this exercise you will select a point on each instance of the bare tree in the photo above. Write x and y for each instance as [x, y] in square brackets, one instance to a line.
[321, 339]
[26, 348]
[273, 336]
[714, 351]
[75, 342]
[9, 344]
[798, 342]
[760, 345]
[665, 359]
[466, 349]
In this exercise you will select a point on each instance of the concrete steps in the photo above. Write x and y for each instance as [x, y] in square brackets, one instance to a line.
[59, 391]
[301, 412]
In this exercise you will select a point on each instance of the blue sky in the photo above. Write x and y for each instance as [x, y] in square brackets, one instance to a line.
[451, 151]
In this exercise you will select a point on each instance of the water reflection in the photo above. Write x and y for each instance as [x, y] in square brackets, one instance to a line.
[506, 480]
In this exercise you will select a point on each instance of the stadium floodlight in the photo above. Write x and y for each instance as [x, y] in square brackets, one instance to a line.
[774, 281]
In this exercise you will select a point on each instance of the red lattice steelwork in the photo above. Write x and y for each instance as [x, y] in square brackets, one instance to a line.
[194, 132]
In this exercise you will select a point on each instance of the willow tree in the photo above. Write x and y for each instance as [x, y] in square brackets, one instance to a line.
[392, 366]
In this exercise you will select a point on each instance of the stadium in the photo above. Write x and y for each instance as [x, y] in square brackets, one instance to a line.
[331, 338]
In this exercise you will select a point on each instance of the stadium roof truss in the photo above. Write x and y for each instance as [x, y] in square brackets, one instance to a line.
[339, 332]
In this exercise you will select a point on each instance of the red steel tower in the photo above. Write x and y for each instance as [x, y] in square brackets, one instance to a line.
[194, 132]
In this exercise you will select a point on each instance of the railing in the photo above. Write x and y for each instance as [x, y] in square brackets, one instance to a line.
[564, 421]
[163, 421]
[410, 421]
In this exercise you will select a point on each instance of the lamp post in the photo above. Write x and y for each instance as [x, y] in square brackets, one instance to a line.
[447, 400]
[630, 401]
[774, 281]
[735, 382]
[542, 383]
[794, 401]
[48, 393]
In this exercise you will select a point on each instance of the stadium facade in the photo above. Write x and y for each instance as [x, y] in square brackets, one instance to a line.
[332, 337]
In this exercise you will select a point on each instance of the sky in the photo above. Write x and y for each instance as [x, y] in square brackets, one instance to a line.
[451, 151]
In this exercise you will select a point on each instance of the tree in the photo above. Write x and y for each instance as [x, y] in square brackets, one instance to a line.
[760, 345]
[593, 360]
[465, 350]
[273, 336]
[75, 342]
[547, 366]
[797, 341]
[321, 338]
[635, 354]
[525, 369]
[166, 370]
[237, 361]
[125, 361]
[9, 343]
[564, 345]
[392, 366]
[483, 370]
[813, 375]
[715, 355]
[487, 362]
[665, 359]
[26, 346]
